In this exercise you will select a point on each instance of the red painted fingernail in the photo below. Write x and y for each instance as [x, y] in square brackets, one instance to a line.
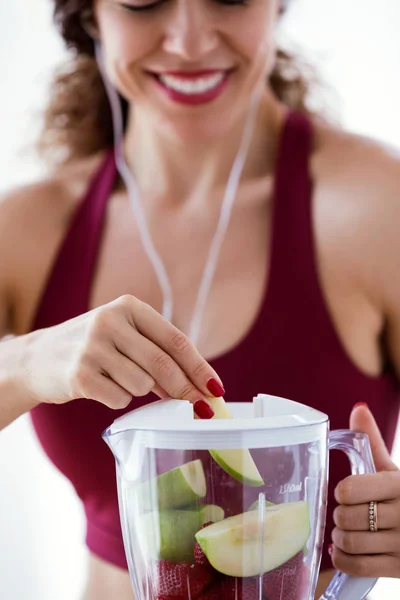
[360, 404]
[330, 549]
[215, 388]
[203, 410]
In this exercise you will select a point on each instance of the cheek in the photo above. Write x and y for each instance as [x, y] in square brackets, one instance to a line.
[259, 47]
[260, 54]
[124, 43]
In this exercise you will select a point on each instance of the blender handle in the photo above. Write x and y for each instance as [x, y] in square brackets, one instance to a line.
[357, 448]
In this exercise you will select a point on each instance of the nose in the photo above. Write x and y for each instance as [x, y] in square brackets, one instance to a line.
[191, 33]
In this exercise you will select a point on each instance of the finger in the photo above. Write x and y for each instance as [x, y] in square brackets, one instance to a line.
[356, 518]
[366, 542]
[177, 345]
[362, 489]
[127, 374]
[106, 391]
[160, 392]
[366, 566]
[166, 373]
[361, 419]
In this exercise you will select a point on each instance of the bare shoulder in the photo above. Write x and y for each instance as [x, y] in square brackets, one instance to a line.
[357, 192]
[33, 220]
[356, 161]
[49, 201]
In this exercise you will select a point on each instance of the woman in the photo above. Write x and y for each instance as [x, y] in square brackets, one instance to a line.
[305, 298]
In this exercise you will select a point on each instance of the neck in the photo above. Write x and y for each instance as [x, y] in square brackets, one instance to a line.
[168, 166]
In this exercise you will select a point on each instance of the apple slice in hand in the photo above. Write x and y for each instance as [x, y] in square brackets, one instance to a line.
[220, 408]
[242, 546]
[238, 462]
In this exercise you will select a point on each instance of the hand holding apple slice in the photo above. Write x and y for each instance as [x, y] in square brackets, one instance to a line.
[238, 462]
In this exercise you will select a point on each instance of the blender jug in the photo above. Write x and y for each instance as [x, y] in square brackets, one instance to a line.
[229, 509]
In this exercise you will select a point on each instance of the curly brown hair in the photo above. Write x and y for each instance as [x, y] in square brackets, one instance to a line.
[77, 120]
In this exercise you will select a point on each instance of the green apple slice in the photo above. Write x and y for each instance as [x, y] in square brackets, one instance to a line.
[241, 546]
[177, 488]
[220, 408]
[168, 534]
[238, 463]
[256, 504]
[211, 512]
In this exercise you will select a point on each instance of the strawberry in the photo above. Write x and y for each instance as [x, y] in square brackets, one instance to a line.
[170, 598]
[182, 580]
[212, 593]
[235, 588]
[285, 582]
[232, 588]
[199, 557]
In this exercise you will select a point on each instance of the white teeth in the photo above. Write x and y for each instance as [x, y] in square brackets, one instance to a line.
[192, 86]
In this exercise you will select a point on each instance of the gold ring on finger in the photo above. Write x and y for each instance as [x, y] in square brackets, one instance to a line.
[373, 516]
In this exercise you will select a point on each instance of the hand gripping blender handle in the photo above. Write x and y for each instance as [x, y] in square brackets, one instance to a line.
[358, 450]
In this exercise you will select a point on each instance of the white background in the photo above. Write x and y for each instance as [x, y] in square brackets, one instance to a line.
[42, 555]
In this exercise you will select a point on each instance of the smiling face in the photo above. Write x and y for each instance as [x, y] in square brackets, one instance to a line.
[191, 65]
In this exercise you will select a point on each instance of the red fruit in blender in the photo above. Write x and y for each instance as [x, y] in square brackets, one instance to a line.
[170, 598]
[212, 593]
[199, 557]
[232, 588]
[285, 582]
[236, 588]
[182, 579]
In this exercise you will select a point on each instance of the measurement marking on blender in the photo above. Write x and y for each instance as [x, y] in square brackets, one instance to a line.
[290, 488]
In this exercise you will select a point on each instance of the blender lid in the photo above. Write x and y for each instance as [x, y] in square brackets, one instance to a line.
[264, 413]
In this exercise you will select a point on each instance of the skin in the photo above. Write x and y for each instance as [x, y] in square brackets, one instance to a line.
[355, 210]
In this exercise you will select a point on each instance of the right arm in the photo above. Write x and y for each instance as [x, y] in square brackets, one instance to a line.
[121, 350]
[110, 354]
[14, 400]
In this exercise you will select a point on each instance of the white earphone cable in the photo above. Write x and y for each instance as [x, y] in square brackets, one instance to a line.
[134, 195]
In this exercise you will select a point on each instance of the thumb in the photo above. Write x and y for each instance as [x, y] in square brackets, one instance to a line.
[361, 419]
